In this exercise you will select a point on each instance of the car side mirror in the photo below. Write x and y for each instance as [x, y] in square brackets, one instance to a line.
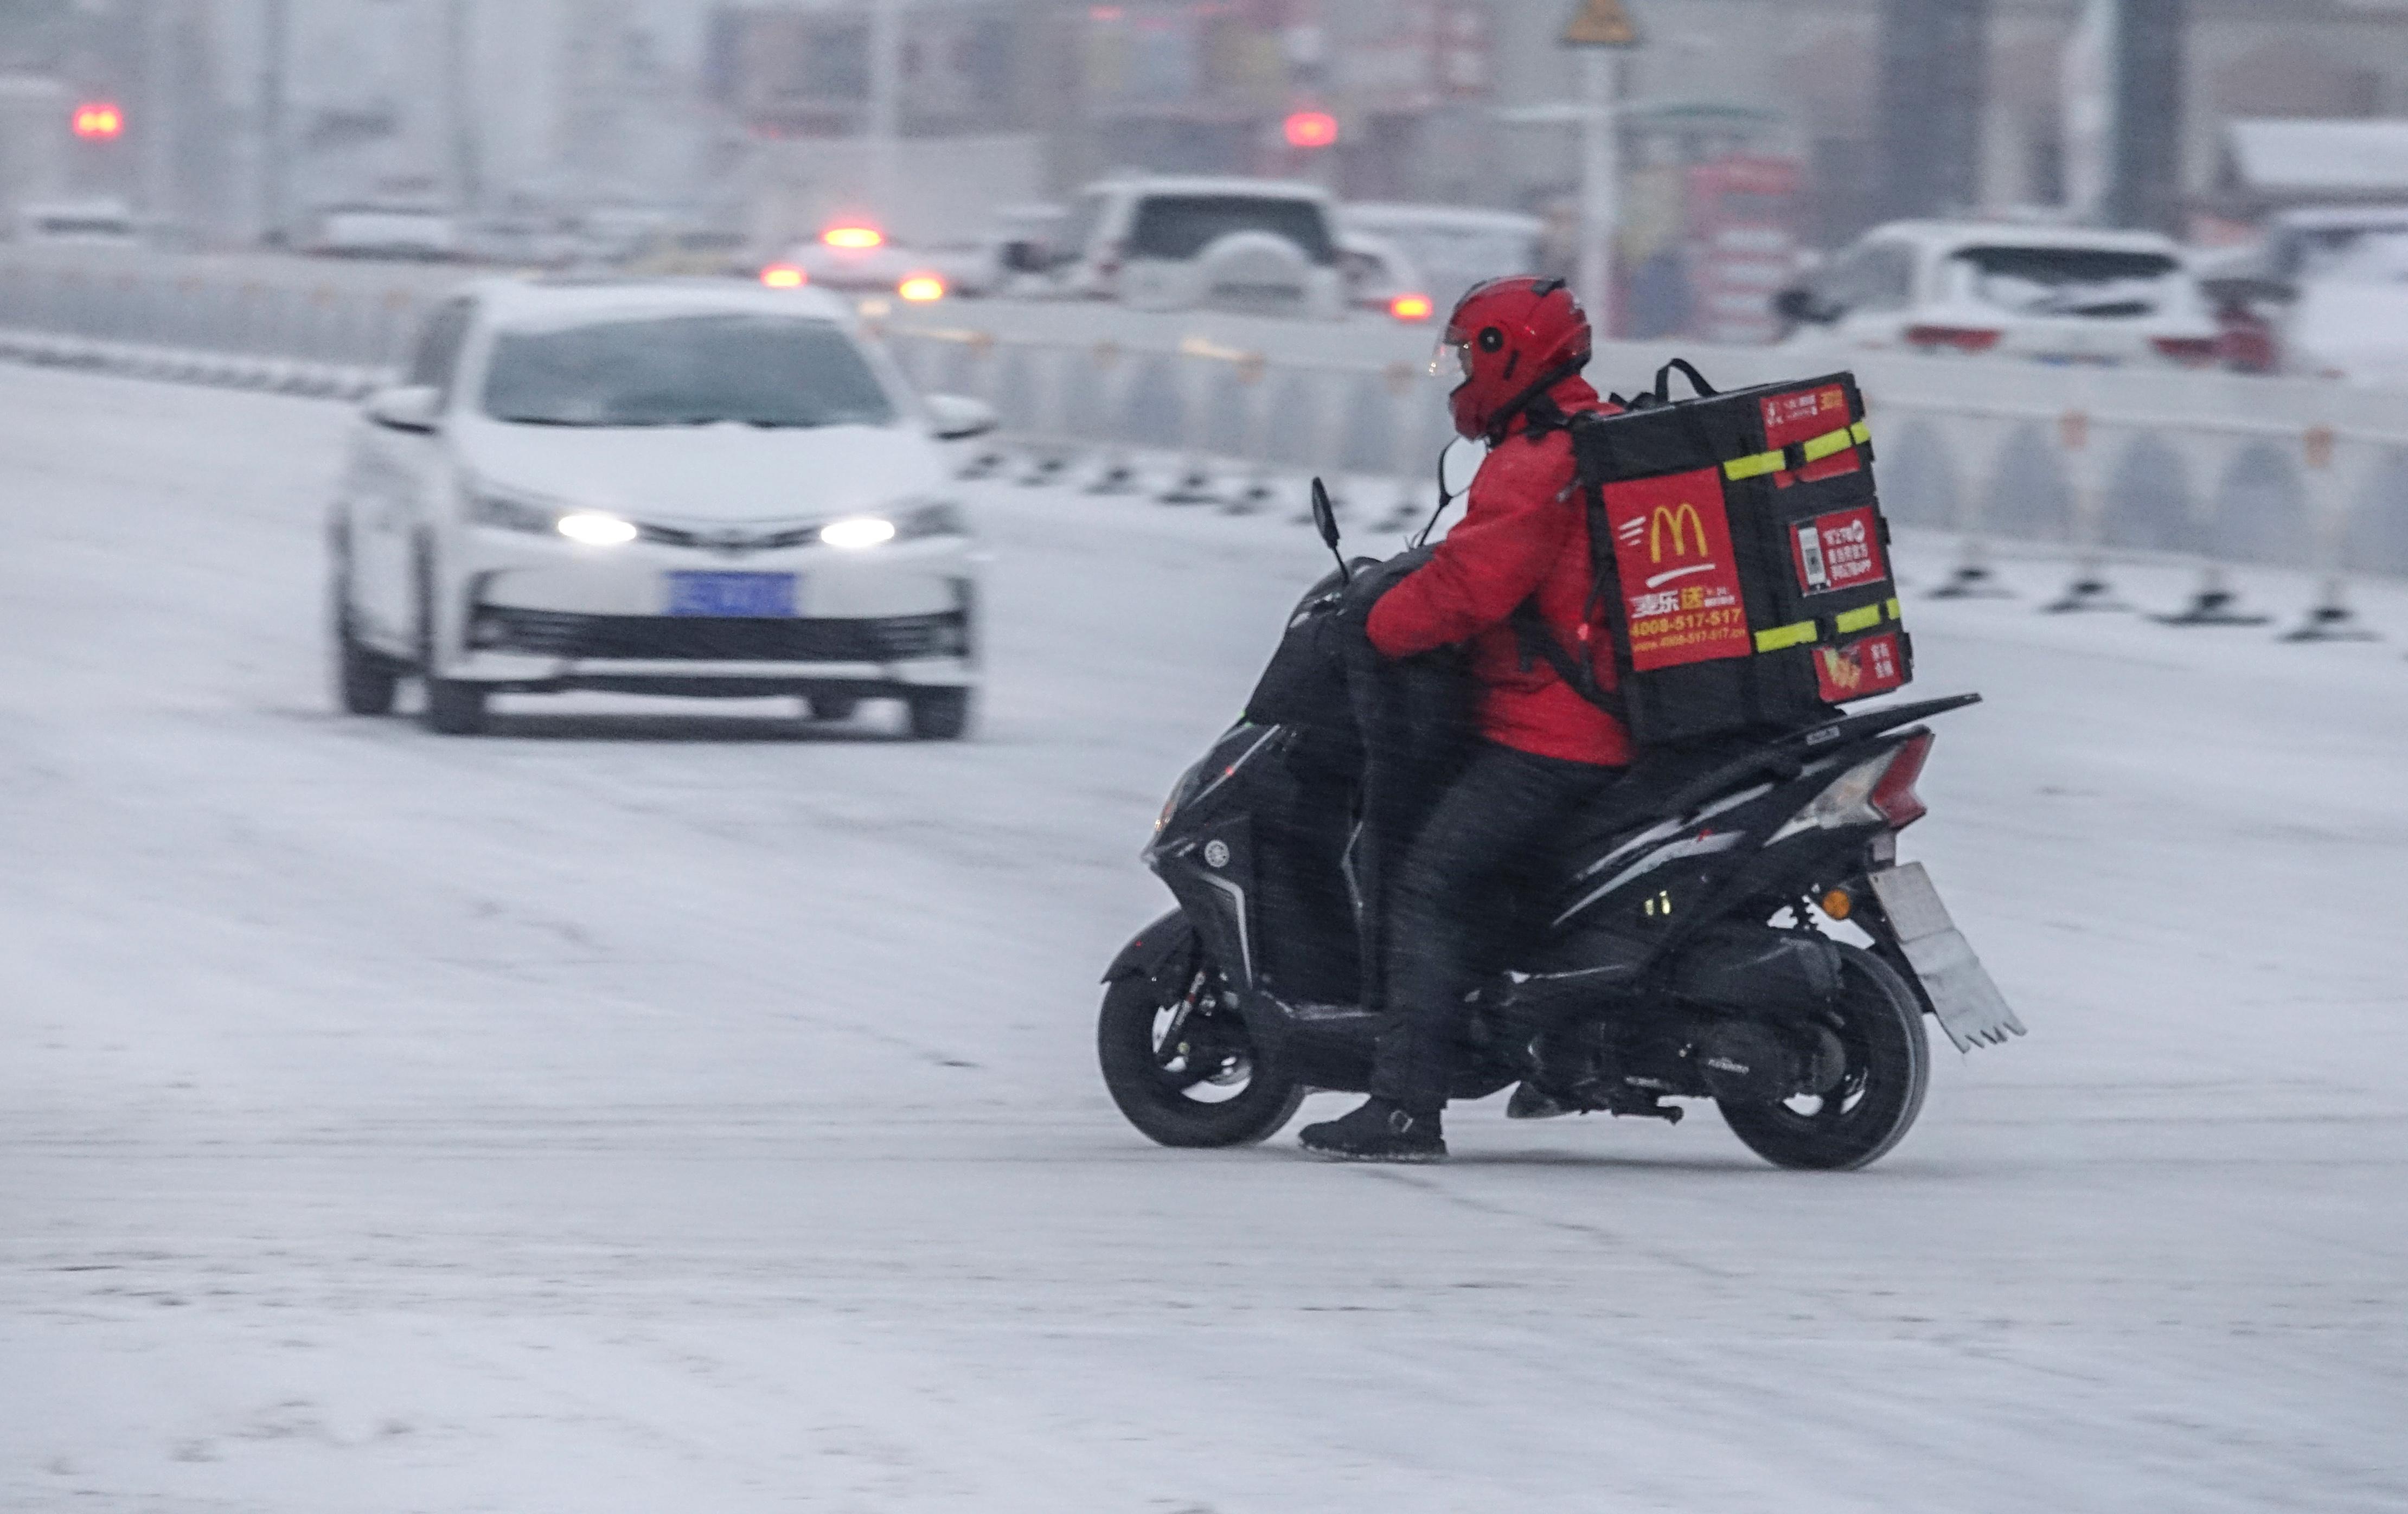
[1027, 257]
[408, 408]
[958, 417]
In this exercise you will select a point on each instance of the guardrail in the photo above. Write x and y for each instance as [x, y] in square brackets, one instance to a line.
[2216, 470]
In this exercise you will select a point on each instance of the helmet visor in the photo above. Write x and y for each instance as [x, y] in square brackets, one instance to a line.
[1453, 355]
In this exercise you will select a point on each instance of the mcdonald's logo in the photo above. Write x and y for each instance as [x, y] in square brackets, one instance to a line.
[1683, 518]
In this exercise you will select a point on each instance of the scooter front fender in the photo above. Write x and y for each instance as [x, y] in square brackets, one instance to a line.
[1155, 950]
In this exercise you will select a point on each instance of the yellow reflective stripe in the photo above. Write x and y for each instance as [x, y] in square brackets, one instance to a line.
[1894, 613]
[1784, 635]
[1831, 442]
[1857, 620]
[1757, 464]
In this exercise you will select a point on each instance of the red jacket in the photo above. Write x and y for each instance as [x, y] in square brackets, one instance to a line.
[1524, 531]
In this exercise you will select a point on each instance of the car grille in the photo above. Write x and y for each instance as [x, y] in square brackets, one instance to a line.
[720, 639]
[731, 539]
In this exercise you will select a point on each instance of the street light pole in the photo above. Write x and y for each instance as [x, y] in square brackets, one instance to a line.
[274, 23]
[459, 55]
[1601, 182]
[885, 101]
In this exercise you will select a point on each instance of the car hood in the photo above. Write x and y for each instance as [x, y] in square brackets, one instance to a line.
[729, 473]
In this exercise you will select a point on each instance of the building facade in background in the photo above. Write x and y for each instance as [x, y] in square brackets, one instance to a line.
[1832, 113]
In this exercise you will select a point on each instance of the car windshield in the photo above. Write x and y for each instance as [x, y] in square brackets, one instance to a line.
[691, 370]
[2067, 280]
[1176, 227]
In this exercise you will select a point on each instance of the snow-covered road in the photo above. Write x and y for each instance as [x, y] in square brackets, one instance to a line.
[670, 1107]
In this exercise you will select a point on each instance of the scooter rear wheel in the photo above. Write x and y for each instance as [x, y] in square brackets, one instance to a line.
[1191, 1079]
[1877, 1098]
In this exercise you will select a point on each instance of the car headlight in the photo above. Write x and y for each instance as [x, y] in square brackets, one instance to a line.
[910, 523]
[588, 528]
[856, 532]
[592, 528]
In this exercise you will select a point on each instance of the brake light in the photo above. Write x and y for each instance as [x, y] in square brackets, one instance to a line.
[1955, 338]
[784, 276]
[1894, 797]
[2190, 352]
[1412, 307]
[1878, 791]
[920, 288]
[853, 238]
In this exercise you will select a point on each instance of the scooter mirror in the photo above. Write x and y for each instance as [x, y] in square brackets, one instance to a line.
[1457, 464]
[1324, 515]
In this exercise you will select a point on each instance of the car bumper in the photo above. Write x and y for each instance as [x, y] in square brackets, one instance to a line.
[887, 619]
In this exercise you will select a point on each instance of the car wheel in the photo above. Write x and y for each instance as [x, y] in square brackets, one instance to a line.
[364, 679]
[941, 714]
[834, 707]
[452, 708]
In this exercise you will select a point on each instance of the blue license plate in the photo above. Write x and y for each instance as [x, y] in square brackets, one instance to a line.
[753, 594]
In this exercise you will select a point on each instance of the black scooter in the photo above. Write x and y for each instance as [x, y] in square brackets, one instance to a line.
[1675, 948]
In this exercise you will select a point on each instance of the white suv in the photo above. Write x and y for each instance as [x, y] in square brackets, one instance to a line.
[654, 487]
[2042, 293]
[1259, 246]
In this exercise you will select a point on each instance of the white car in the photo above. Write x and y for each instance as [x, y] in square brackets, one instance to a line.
[2072, 295]
[371, 231]
[1257, 246]
[101, 222]
[661, 487]
[860, 258]
[1379, 277]
[2327, 294]
[1452, 248]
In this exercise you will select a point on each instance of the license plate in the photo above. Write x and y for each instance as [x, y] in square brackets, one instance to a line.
[755, 595]
[1968, 1006]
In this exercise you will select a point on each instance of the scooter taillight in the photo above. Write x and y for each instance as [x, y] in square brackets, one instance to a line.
[1894, 795]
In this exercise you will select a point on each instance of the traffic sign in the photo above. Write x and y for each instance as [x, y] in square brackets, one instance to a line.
[1602, 24]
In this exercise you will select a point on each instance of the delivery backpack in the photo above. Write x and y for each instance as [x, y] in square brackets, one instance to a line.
[1741, 558]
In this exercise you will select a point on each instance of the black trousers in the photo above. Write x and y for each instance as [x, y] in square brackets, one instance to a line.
[1499, 821]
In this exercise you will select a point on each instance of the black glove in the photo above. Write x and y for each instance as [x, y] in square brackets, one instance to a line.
[1373, 579]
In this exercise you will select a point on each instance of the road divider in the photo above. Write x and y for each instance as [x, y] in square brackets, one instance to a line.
[1205, 408]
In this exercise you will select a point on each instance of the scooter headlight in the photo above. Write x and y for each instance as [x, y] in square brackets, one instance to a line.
[1181, 792]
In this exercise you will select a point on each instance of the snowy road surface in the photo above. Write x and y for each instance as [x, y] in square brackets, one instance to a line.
[676, 1107]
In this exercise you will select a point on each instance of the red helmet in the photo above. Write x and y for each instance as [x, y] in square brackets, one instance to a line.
[1514, 337]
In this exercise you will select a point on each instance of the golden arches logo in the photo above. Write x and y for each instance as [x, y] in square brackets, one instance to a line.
[1685, 523]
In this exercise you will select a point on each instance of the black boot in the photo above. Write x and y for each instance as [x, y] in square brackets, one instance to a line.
[1379, 1130]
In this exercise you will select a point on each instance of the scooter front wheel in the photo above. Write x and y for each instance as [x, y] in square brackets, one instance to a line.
[1185, 1069]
